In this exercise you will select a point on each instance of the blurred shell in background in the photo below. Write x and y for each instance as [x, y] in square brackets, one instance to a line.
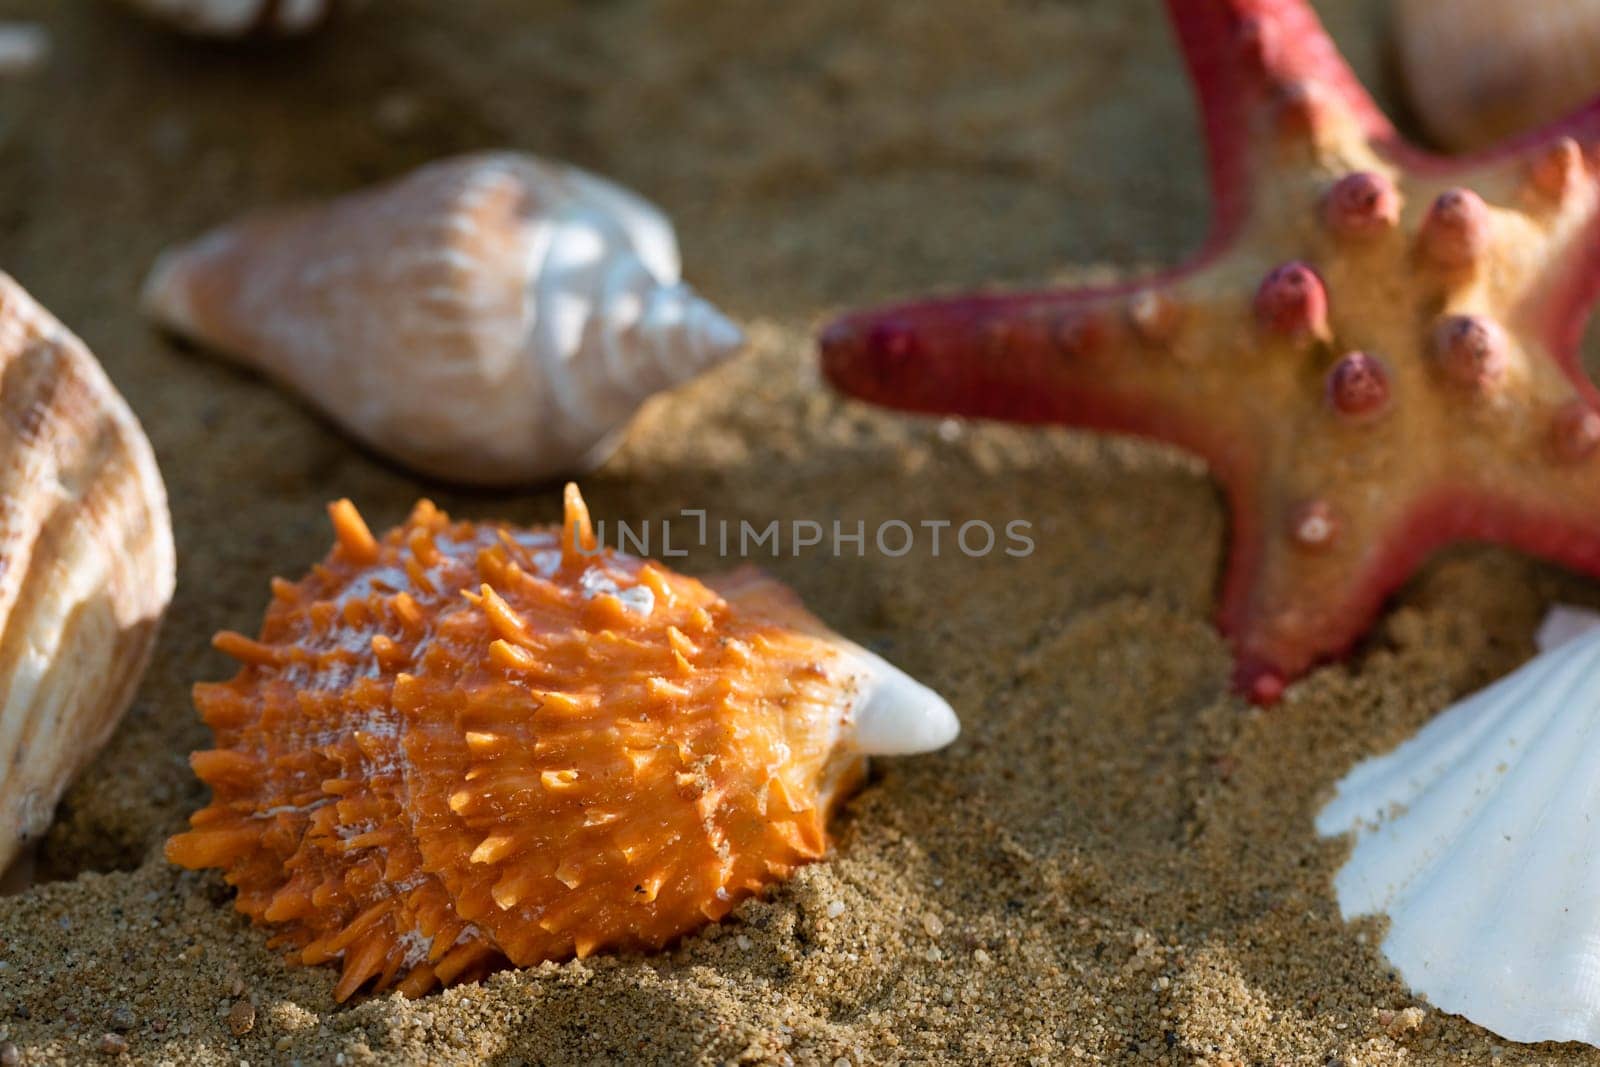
[24, 49]
[493, 319]
[239, 18]
[86, 561]
[1476, 71]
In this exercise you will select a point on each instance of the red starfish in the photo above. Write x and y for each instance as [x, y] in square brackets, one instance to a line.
[1375, 351]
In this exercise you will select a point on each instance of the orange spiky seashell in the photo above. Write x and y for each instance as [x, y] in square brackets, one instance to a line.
[467, 745]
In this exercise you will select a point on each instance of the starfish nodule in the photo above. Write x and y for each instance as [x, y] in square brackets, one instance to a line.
[1376, 350]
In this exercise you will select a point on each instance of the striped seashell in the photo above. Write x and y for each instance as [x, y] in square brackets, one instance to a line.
[86, 562]
[491, 320]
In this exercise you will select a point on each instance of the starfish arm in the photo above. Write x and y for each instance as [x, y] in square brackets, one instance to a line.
[1303, 584]
[1261, 68]
[1543, 236]
[1301, 587]
[1558, 309]
[1322, 540]
[1535, 484]
[1116, 359]
[1558, 170]
[1288, 606]
[1563, 529]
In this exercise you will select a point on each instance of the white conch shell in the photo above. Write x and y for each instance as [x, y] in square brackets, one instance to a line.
[493, 319]
[1480, 70]
[86, 561]
[237, 18]
[1480, 839]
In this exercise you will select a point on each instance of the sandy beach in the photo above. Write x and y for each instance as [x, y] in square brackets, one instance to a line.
[1116, 861]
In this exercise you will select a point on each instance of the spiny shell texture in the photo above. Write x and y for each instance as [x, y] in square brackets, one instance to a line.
[1478, 839]
[1477, 71]
[86, 561]
[469, 744]
[239, 18]
[493, 319]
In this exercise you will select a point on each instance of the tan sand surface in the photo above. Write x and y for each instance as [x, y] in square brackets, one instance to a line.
[1116, 861]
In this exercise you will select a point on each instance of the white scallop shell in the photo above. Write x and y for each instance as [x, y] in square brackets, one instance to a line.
[86, 561]
[236, 18]
[1476, 71]
[1480, 839]
[493, 319]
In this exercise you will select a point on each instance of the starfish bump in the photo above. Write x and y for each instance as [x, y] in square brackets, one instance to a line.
[1375, 350]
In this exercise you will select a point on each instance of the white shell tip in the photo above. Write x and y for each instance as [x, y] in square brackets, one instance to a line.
[24, 49]
[898, 715]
